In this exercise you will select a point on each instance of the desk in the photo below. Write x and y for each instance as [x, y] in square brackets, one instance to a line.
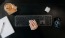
[36, 7]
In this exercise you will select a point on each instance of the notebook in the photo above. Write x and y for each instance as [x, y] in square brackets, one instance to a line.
[7, 28]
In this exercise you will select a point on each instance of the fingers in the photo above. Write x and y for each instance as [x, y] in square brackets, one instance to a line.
[33, 24]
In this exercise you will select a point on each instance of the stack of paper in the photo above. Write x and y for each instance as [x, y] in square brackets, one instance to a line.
[7, 29]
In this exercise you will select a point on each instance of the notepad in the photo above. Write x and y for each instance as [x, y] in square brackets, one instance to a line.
[7, 29]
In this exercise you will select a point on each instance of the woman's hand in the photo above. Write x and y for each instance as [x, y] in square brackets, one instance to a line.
[33, 24]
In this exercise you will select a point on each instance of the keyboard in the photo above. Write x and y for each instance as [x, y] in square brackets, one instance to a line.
[42, 20]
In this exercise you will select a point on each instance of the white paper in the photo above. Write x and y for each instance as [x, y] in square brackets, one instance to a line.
[1, 24]
[47, 9]
[8, 29]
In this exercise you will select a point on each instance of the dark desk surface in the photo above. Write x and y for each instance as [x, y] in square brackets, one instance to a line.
[36, 7]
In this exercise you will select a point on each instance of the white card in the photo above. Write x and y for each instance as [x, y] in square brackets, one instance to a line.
[7, 29]
[47, 9]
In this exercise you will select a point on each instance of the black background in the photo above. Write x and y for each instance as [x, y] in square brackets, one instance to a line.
[36, 7]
